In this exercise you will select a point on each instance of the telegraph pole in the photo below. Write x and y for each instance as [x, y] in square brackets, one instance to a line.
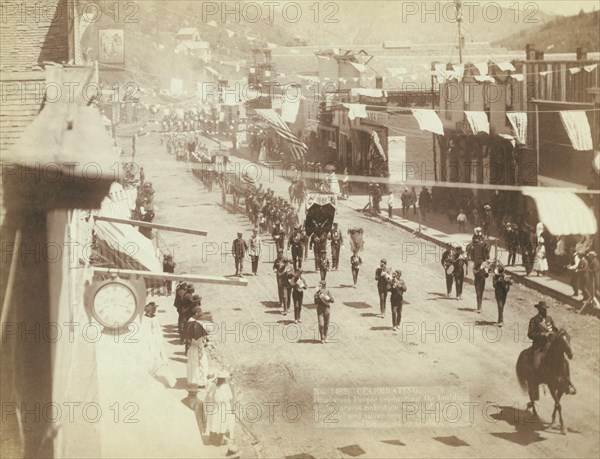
[459, 20]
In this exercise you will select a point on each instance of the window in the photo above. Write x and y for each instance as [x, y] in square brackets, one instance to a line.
[467, 96]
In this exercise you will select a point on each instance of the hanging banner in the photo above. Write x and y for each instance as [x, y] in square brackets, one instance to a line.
[397, 158]
[112, 46]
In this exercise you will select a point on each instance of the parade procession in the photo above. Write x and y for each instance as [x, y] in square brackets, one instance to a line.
[300, 230]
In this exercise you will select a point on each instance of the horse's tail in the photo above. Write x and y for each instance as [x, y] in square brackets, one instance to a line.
[522, 370]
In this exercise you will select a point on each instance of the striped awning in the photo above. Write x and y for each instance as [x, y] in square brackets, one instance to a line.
[563, 212]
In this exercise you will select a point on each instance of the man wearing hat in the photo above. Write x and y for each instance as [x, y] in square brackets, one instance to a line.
[254, 250]
[383, 284]
[336, 244]
[323, 264]
[501, 283]
[169, 267]
[461, 267]
[239, 247]
[396, 297]
[286, 274]
[448, 258]
[377, 198]
[512, 243]
[278, 235]
[278, 265]
[405, 199]
[323, 300]
[296, 243]
[540, 330]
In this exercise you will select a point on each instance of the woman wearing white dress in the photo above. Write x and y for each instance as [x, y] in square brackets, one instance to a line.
[197, 339]
[220, 419]
[155, 356]
[540, 264]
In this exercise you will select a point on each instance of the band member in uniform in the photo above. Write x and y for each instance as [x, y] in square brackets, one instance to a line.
[336, 243]
[355, 263]
[323, 264]
[461, 267]
[501, 283]
[254, 249]
[448, 258]
[277, 266]
[285, 274]
[278, 235]
[296, 242]
[323, 300]
[239, 247]
[298, 288]
[480, 274]
[396, 297]
[315, 245]
[383, 283]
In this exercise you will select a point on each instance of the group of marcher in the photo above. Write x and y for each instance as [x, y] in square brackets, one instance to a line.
[455, 262]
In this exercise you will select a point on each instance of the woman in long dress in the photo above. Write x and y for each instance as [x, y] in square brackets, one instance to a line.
[220, 420]
[540, 264]
[196, 338]
[155, 356]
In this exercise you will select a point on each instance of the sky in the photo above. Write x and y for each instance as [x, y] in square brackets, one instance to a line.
[565, 7]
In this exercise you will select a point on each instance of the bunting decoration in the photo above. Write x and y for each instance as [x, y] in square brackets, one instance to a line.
[297, 147]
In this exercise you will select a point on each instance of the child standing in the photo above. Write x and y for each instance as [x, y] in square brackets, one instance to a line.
[355, 262]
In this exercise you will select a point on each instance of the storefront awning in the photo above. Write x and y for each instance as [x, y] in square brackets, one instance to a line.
[563, 212]
[429, 120]
[478, 121]
[126, 247]
[578, 128]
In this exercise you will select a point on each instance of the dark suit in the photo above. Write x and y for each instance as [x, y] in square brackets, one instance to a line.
[238, 250]
[396, 297]
[382, 288]
[296, 242]
[539, 332]
[447, 260]
[323, 299]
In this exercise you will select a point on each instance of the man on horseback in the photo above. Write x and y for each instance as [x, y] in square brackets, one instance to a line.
[541, 331]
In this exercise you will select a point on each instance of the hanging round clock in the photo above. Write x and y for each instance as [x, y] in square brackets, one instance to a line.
[114, 303]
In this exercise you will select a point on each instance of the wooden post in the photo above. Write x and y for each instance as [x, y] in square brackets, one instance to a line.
[201, 279]
[177, 229]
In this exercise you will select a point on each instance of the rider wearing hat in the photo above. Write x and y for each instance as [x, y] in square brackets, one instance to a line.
[540, 331]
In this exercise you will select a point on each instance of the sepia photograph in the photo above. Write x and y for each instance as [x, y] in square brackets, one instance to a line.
[303, 229]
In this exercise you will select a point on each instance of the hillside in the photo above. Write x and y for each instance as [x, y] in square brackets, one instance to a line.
[563, 34]
[151, 59]
[373, 22]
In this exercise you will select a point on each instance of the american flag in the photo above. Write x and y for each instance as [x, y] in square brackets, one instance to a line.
[375, 147]
[297, 147]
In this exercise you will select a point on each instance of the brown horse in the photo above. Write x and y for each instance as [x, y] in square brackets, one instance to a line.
[554, 372]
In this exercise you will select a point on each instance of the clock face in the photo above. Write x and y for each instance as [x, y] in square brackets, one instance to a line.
[114, 305]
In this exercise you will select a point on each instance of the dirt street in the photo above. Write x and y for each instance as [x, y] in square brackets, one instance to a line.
[444, 385]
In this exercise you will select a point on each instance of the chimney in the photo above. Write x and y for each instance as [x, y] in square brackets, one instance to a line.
[379, 82]
[581, 54]
[529, 52]
[268, 56]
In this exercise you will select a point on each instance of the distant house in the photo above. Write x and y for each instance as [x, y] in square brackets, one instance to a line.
[199, 49]
[188, 34]
[191, 45]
